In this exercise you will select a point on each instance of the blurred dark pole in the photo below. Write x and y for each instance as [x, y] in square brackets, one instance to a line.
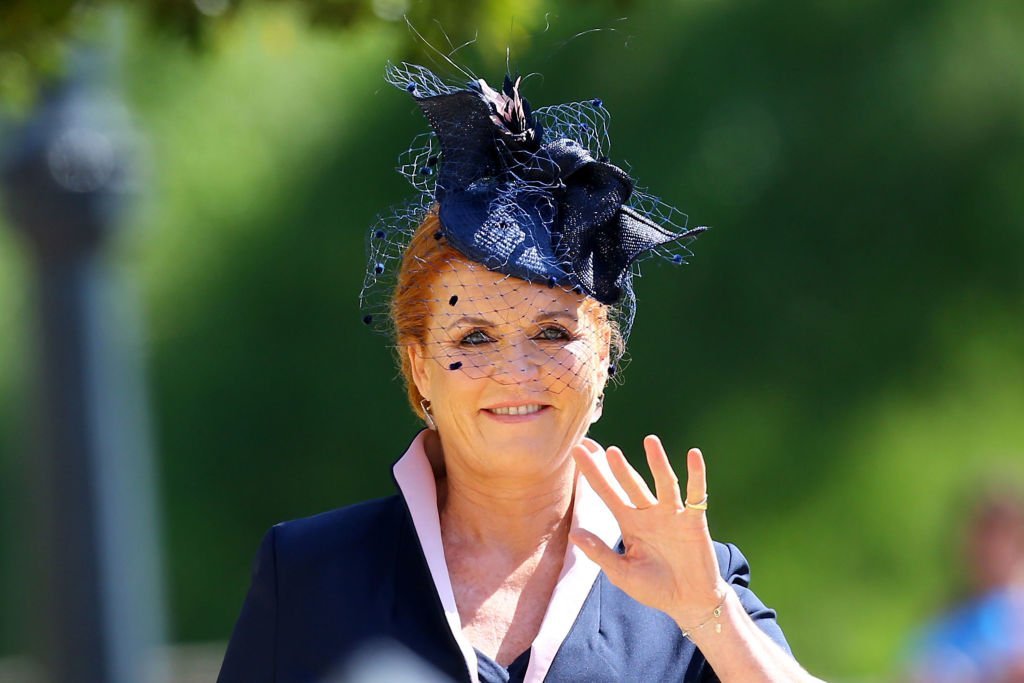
[94, 549]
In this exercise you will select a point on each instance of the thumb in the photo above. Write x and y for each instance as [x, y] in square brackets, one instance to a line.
[594, 548]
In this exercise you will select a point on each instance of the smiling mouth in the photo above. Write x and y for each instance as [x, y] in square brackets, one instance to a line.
[528, 409]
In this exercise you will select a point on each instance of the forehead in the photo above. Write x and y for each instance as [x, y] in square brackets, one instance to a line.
[467, 289]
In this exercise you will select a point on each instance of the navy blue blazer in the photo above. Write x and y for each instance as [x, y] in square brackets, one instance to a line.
[324, 585]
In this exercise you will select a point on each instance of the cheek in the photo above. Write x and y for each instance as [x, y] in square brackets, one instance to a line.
[456, 390]
[476, 362]
[574, 367]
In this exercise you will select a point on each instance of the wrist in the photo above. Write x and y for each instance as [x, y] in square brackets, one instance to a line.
[705, 613]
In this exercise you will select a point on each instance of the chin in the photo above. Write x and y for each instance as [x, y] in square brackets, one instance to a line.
[525, 449]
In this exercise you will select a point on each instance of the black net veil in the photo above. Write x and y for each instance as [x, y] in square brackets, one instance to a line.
[545, 237]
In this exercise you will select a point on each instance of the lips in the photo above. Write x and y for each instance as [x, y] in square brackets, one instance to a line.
[527, 409]
[516, 412]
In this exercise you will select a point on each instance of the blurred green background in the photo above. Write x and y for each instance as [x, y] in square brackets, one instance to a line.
[847, 345]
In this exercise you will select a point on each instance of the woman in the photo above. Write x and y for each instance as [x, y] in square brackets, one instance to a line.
[517, 549]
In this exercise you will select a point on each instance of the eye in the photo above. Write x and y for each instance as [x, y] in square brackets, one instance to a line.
[475, 338]
[554, 333]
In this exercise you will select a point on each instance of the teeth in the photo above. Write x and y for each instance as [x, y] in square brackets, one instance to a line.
[517, 410]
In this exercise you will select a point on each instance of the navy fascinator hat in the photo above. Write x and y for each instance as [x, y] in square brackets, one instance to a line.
[527, 193]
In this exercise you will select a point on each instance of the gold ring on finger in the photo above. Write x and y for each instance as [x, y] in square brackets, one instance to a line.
[702, 504]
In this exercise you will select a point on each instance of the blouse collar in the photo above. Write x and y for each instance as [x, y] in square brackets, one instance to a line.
[415, 477]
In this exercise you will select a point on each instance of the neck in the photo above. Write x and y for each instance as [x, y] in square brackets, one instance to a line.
[516, 516]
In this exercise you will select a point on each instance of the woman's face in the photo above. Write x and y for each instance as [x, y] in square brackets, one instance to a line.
[512, 370]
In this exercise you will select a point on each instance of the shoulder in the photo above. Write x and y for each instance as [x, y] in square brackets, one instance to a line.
[368, 526]
[319, 586]
[344, 522]
[735, 569]
[732, 564]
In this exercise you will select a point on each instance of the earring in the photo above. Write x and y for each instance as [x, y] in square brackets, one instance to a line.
[425, 404]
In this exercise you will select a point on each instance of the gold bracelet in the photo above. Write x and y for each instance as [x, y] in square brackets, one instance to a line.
[715, 614]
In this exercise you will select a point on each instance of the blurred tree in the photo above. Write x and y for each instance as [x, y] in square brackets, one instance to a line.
[34, 33]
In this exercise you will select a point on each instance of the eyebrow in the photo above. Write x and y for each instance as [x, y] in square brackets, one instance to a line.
[484, 322]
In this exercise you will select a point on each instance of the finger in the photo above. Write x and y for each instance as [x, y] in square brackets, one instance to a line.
[631, 481]
[666, 483]
[599, 481]
[696, 477]
[593, 547]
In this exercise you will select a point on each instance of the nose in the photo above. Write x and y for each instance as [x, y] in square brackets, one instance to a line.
[518, 362]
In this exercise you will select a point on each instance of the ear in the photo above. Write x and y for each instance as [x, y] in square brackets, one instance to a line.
[418, 367]
[604, 354]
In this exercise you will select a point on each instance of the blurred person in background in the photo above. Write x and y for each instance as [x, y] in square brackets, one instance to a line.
[981, 640]
[517, 548]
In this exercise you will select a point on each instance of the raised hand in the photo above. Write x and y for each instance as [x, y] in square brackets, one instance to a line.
[670, 561]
